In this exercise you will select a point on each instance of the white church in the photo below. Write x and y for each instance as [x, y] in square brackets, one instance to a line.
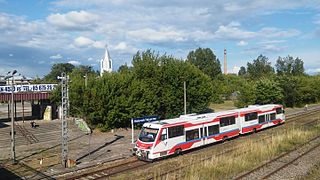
[106, 63]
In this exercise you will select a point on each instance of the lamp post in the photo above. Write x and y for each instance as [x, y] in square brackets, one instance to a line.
[13, 151]
[85, 80]
[22, 102]
[185, 97]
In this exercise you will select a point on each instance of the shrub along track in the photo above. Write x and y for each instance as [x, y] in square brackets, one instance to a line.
[131, 164]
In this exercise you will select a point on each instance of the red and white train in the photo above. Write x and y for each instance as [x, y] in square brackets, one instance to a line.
[173, 136]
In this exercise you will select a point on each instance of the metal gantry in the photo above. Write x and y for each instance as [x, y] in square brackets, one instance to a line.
[65, 106]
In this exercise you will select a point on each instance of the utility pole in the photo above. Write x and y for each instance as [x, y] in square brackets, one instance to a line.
[225, 62]
[64, 105]
[185, 97]
[12, 133]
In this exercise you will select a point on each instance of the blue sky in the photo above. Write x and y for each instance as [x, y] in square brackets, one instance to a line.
[35, 34]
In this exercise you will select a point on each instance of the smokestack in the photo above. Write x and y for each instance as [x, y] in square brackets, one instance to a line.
[225, 62]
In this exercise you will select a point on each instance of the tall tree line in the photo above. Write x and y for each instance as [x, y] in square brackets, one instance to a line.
[154, 86]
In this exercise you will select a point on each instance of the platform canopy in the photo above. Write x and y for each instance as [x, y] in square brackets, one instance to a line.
[25, 96]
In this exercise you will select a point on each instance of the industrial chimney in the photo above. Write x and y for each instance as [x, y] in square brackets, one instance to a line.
[225, 62]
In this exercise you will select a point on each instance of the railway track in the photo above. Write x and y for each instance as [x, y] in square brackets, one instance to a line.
[109, 171]
[284, 160]
[135, 164]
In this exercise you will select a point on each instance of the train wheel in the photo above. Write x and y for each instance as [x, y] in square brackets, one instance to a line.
[178, 152]
[254, 130]
[224, 139]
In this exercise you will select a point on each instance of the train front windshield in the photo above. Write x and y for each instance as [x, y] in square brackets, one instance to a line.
[148, 134]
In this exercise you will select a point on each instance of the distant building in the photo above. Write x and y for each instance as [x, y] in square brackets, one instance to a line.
[2, 81]
[17, 80]
[106, 63]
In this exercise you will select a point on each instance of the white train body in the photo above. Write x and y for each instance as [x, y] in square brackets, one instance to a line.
[172, 136]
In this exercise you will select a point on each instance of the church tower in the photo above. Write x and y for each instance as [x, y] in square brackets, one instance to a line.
[106, 63]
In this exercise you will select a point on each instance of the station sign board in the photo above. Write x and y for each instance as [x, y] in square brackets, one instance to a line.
[28, 88]
[145, 119]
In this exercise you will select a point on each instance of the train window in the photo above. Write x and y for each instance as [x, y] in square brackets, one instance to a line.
[175, 131]
[251, 116]
[272, 116]
[164, 135]
[262, 118]
[192, 134]
[279, 110]
[213, 129]
[226, 121]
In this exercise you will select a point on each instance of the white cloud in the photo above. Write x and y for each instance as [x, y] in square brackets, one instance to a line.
[232, 32]
[242, 43]
[76, 63]
[234, 70]
[98, 45]
[74, 20]
[313, 71]
[84, 42]
[10, 55]
[121, 46]
[271, 32]
[272, 42]
[57, 56]
[161, 35]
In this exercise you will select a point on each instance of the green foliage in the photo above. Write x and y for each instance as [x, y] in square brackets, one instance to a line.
[153, 86]
[242, 71]
[247, 94]
[206, 61]
[290, 90]
[260, 67]
[56, 71]
[289, 66]
[268, 91]
[231, 84]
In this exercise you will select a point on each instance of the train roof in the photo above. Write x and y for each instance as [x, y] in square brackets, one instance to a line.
[194, 118]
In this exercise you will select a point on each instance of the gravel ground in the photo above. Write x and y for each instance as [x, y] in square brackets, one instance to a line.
[297, 169]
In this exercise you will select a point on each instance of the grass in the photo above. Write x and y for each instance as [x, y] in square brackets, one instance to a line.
[250, 155]
[227, 105]
[314, 173]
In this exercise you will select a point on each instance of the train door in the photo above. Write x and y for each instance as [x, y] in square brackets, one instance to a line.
[203, 134]
[268, 117]
[163, 145]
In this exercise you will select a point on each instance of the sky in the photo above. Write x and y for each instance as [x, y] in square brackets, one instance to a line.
[36, 34]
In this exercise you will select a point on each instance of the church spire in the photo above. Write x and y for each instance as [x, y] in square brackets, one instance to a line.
[106, 63]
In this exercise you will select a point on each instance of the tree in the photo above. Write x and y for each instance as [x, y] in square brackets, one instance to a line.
[290, 86]
[206, 61]
[80, 77]
[247, 94]
[268, 91]
[261, 67]
[123, 68]
[289, 66]
[56, 71]
[242, 71]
